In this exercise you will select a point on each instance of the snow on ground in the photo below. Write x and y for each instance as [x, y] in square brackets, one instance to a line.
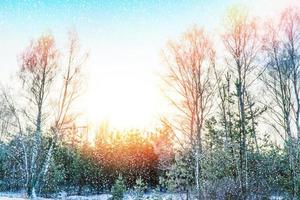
[11, 195]
[165, 196]
[91, 197]
[22, 196]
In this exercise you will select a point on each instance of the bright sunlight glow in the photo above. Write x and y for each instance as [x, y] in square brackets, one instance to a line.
[125, 98]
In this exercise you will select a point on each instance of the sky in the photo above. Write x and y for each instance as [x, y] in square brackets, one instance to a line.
[124, 40]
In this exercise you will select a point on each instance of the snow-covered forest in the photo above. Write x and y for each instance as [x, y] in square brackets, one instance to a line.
[233, 130]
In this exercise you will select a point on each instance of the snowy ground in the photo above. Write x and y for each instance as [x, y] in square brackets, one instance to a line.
[165, 196]
[21, 196]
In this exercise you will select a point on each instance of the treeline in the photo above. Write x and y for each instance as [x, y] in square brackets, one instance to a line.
[237, 98]
[234, 132]
[83, 168]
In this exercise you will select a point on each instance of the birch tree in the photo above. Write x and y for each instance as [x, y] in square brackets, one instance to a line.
[282, 48]
[39, 67]
[71, 89]
[40, 74]
[242, 45]
[189, 63]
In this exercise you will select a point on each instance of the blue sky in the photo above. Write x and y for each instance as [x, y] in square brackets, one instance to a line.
[106, 23]
[125, 17]
[124, 39]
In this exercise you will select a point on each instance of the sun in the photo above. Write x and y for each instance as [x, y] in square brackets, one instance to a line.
[125, 98]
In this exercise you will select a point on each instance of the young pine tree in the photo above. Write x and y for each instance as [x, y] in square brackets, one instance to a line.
[139, 188]
[118, 189]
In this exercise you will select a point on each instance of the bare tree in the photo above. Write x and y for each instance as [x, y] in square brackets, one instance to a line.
[40, 74]
[282, 47]
[190, 91]
[241, 44]
[39, 67]
[71, 89]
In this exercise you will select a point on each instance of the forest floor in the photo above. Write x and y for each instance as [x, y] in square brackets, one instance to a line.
[164, 196]
[22, 196]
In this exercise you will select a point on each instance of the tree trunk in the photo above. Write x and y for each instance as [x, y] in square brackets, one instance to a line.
[198, 174]
[240, 94]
